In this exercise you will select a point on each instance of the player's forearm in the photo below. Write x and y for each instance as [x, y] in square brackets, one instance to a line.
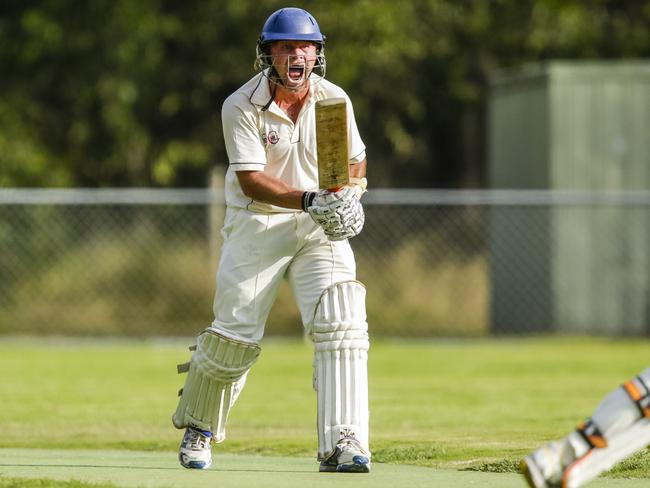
[358, 170]
[358, 178]
[264, 188]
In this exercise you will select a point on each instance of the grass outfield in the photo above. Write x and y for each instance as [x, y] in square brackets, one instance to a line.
[466, 407]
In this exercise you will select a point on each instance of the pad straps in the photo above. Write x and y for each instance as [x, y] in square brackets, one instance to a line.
[639, 392]
[216, 376]
[590, 432]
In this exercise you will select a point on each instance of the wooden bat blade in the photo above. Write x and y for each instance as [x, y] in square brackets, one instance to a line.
[332, 144]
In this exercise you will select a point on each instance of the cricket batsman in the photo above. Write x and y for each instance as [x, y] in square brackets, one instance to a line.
[618, 428]
[280, 224]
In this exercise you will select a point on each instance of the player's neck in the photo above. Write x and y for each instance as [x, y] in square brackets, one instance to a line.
[291, 97]
[291, 102]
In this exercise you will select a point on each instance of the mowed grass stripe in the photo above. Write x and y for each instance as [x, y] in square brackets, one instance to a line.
[478, 404]
[110, 468]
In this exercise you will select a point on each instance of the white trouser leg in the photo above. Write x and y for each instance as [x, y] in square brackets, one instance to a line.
[254, 258]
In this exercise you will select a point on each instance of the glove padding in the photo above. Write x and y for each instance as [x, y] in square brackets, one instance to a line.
[340, 214]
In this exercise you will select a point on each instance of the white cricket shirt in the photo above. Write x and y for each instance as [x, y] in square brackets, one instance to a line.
[269, 141]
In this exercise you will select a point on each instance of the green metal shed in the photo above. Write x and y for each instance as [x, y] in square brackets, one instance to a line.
[571, 125]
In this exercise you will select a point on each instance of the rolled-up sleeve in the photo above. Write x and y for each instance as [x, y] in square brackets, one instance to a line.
[242, 138]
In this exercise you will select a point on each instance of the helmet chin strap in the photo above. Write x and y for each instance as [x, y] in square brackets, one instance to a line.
[273, 92]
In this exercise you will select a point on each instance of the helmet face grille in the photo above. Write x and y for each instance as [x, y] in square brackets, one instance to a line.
[264, 62]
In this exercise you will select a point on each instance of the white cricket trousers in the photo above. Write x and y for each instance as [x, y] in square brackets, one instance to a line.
[258, 252]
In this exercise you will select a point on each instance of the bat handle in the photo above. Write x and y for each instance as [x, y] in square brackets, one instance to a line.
[334, 189]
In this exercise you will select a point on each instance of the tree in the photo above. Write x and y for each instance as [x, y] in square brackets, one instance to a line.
[123, 93]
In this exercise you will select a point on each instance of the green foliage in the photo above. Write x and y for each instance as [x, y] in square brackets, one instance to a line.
[410, 454]
[123, 93]
[636, 466]
[503, 466]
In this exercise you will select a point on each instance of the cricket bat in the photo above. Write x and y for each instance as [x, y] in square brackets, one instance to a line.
[332, 144]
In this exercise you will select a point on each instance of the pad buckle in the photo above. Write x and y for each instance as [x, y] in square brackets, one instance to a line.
[641, 398]
[590, 433]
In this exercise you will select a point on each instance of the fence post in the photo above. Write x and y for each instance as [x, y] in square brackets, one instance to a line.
[216, 214]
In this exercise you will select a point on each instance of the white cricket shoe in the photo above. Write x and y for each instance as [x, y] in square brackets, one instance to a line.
[195, 451]
[348, 457]
[546, 467]
[543, 468]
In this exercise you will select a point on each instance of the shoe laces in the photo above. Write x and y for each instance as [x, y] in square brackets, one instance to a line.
[195, 439]
[347, 443]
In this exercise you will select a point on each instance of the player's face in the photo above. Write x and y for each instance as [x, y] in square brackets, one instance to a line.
[294, 61]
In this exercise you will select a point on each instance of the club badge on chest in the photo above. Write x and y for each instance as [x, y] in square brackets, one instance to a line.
[271, 137]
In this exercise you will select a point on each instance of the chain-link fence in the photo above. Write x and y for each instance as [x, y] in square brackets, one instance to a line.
[453, 263]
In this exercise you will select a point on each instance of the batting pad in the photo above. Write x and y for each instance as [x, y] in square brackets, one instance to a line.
[623, 419]
[624, 406]
[619, 447]
[217, 373]
[340, 335]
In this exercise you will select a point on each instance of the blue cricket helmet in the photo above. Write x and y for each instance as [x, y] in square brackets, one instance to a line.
[291, 24]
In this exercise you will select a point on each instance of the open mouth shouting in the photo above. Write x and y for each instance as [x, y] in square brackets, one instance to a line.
[296, 72]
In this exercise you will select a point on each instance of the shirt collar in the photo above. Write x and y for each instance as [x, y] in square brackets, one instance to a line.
[262, 92]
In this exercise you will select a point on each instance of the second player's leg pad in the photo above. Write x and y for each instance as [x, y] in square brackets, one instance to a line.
[639, 390]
